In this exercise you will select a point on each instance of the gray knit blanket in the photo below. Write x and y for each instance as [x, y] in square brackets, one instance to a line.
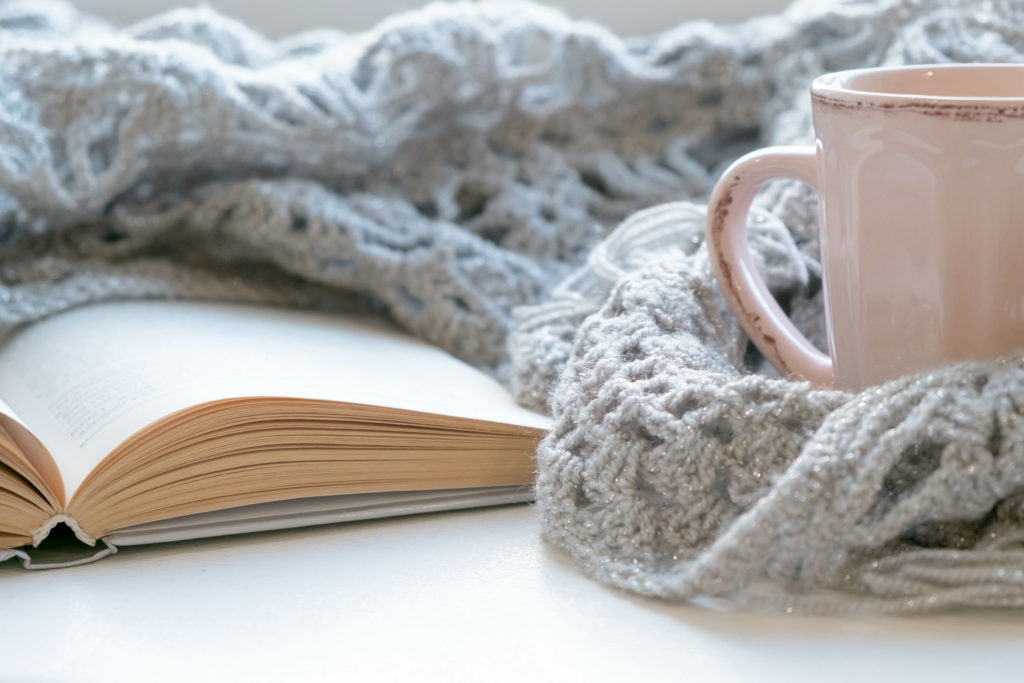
[462, 169]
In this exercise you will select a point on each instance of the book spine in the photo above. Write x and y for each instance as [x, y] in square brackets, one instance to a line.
[40, 534]
[29, 560]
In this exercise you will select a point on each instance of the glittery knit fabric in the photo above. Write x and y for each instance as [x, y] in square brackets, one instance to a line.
[449, 165]
[675, 470]
[455, 168]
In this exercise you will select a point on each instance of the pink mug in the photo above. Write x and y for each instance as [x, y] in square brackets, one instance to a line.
[920, 174]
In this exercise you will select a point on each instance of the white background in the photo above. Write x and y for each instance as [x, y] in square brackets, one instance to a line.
[460, 596]
[467, 596]
[278, 18]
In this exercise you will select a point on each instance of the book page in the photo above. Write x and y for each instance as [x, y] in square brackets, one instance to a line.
[86, 380]
[299, 512]
[32, 459]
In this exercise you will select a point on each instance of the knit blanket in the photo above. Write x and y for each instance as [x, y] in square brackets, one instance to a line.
[462, 169]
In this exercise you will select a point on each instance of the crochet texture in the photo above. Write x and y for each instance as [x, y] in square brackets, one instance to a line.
[457, 168]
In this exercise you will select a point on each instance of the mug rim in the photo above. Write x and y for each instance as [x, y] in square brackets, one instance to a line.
[834, 87]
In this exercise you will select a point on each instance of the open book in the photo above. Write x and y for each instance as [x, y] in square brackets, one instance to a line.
[140, 422]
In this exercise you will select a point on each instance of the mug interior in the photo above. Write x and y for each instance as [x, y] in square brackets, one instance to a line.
[945, 81]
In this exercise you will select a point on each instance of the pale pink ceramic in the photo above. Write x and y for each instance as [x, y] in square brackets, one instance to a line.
[920, 171]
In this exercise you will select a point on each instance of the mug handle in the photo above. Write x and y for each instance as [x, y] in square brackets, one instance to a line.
[785, 347]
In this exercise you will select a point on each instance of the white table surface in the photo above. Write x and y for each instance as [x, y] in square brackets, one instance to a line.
[458, 596]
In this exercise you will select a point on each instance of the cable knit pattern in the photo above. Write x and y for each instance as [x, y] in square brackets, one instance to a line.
[457, 168]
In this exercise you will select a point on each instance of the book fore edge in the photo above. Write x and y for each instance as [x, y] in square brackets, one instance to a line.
[40, 534]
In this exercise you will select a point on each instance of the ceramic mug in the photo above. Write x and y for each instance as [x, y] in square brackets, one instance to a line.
[920, 175]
